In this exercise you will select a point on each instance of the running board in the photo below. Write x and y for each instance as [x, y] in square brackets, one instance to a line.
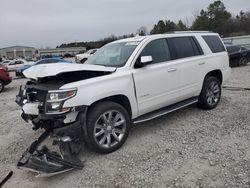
[165, 110]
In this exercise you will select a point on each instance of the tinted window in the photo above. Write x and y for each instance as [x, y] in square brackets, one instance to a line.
[182, 47]
[232, 49]
[19, 62]
[243, 49]
[214, 43]
[158, 49]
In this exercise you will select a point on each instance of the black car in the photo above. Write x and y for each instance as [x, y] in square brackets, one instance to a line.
[238, 55]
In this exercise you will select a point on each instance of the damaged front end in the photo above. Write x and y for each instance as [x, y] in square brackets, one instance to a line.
[44, 108]
[42, 102]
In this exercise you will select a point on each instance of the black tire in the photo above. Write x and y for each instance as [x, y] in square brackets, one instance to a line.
[1, 86]
[82, 61]
[94, 117]
[209, 99]
[242, 61]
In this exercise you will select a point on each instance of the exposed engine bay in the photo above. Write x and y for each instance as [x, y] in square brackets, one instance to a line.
[42, 102]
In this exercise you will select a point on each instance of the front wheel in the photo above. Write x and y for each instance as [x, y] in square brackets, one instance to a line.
[108, 126]
[210, 94]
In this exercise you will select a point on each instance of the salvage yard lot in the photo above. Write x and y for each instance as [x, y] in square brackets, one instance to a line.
[187, 148]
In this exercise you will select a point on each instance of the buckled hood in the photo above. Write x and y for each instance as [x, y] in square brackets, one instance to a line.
[53, 69]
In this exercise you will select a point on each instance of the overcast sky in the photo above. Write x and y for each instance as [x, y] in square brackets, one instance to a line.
[42, 23]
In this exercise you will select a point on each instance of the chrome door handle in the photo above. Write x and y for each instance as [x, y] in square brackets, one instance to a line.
[202, 63]
[172, 70]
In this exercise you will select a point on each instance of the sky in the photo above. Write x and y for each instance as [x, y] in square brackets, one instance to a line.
[49, 23]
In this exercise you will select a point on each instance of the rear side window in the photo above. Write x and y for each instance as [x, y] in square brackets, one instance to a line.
[158, 49]
[214, 43]
[182, 47]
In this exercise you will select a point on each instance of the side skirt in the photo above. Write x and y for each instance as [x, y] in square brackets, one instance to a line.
[165, 110]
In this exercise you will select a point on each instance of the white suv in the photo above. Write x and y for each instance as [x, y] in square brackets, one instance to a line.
[81, 58]
[127, 81]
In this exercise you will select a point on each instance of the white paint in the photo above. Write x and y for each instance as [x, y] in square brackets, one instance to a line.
[148, 88]
[45, 70]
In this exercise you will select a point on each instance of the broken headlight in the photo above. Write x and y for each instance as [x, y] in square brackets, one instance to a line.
[56, 99]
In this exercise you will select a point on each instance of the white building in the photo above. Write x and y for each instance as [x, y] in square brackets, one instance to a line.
[61, 51]
[15, 52]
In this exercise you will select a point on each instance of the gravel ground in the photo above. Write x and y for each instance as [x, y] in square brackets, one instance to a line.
[187, 148]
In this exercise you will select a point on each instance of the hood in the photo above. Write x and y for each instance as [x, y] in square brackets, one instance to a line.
[47, 70]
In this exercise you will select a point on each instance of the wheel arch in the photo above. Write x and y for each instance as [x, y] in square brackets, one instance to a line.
[3, 81]
[120, 99]
[216, 73]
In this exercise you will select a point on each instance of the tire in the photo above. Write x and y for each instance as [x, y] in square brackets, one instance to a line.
[242, 61]
[1, 86]
[210, 94]
[103, 136]
[82, 61]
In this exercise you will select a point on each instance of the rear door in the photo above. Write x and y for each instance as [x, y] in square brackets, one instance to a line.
[190, 61]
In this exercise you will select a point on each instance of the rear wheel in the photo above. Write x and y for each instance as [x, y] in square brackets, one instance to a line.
[108, 126]
[1, 86]
[210, 94]
[243, 61]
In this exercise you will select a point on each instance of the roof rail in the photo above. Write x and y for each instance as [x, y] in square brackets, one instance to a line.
[176, 32]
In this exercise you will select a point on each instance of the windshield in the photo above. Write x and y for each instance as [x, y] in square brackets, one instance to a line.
[113, 55]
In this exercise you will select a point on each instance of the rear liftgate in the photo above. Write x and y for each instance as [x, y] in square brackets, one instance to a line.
[47, 163]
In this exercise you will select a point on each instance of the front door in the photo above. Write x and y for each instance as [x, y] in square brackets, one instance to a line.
[156, 84]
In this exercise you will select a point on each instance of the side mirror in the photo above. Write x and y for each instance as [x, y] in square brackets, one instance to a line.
[143, 61]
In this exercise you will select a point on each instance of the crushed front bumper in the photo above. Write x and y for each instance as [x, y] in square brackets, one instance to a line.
[68, 136]
[44, 162]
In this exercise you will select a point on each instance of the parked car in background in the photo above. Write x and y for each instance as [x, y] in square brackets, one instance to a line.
[81, 58]
[14, 64]
[19, 71]
[238, 55]
[5, 62]
[51, 56]
[5, 78]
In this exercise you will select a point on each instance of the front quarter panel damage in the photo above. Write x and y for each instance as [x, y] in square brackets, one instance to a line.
[66, 129]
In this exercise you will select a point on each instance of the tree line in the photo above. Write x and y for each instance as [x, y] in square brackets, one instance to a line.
[215, 18]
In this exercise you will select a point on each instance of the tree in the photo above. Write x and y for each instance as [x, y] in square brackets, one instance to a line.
[213, 19]
[142, 31]
[181, 26]
[201, 22]
[160, 27]
[170, 26]
[165, 26]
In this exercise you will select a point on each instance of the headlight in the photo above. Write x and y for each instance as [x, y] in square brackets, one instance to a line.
[56, 99]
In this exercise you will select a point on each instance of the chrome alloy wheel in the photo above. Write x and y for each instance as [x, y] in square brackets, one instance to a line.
[109, 129]
[213, 93]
